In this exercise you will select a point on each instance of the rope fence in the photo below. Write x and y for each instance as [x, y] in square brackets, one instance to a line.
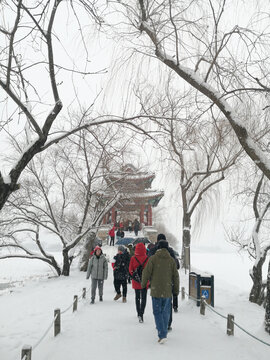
[26, 353]
[229, 317]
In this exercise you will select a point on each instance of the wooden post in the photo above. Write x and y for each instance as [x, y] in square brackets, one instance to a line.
[26, 352]
[183, 293]
[113, 215]
[83, 293]
[75, 303]
[57, 322]
[230, 324]
[202, 307]
[142, 214]
[150, 215]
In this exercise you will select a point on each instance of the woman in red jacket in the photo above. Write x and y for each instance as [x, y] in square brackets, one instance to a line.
[140, 258]
[112, 235]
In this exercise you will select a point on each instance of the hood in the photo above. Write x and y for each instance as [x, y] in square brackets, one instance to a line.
[140, 249]
[163, 253]
[96, 248]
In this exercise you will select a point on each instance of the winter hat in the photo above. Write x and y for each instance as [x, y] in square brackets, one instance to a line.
[121, 248]
[161, 237]
[162, 244]
[150, 246]
[97, 248]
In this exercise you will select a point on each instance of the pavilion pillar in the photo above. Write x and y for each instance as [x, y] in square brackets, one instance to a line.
[149, 217]
[142, 214]
[113, 215]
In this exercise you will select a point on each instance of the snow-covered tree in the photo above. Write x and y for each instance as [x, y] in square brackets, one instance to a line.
[200, 148]
[257, 242]
[205, 47]
[48, 67]
[63, 192]
[223, 57]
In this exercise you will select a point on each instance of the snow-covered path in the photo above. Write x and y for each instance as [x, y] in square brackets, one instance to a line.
[111, 330]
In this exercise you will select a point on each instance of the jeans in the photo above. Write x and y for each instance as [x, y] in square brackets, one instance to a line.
[161, 311]
[140, 300]
[94, 284]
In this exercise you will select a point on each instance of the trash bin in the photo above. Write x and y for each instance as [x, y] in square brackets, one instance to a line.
[201, 284]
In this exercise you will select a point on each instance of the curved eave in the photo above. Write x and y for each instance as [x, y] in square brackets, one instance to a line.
[132, 177]
[147, 198]
[154, 202]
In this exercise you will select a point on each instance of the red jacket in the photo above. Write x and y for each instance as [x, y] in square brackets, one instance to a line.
[140, 254]
[112, 232]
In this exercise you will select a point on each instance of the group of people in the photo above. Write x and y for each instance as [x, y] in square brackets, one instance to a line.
[155, 269]
[118, 230]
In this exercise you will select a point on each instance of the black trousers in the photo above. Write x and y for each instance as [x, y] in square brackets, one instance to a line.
[175, 301]
[117, 286]
[140, 300]
[170, 320]
[112, 241]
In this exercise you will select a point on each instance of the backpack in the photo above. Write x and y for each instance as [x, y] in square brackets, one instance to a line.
[137, 274]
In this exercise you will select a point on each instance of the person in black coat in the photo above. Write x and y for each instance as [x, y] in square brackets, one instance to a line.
[136, 227]
[120, 272]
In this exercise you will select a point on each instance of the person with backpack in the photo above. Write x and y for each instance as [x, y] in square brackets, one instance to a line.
[98, 269]
[136, 266]
[161, 271]
[120, 273]
[152, 251]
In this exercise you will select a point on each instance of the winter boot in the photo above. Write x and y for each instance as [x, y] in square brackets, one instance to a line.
[92, 301]
[124, 299]
[162, 341]
[117, 296]
[140, 319]
[100, 298]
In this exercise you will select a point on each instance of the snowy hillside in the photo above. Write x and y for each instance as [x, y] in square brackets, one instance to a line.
[111, 330]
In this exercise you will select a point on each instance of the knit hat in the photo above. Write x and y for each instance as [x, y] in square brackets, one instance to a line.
[97, 248]
[121, 248]
[162, 244]
[161, 237]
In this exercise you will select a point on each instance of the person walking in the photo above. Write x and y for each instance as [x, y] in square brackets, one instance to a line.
[112, 235]
[120, 273]
[161, 270]
[136, 227]
[151, 252]
[139, 259]
[98, 269]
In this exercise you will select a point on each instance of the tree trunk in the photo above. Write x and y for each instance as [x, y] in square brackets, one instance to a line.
[267, 308]
[255, 295]
[66, 263]
[56, 267]
[186, 238]
[88, 247]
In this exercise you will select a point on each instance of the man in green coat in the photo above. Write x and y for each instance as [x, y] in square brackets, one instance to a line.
[163, 275]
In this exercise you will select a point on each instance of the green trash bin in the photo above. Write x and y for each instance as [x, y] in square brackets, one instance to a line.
[201, 284]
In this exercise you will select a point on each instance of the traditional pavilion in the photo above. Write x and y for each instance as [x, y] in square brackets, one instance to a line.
[136, 197]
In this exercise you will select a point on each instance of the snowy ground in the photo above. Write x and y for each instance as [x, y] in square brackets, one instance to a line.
[111, 330]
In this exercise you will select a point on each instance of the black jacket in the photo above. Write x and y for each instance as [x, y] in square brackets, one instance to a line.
[121, 265]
